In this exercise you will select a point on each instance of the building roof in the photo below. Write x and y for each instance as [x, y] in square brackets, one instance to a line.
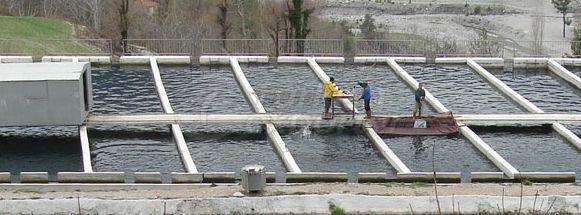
[41, 71]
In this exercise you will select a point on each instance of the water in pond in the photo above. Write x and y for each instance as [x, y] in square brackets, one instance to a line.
[543, 89]
[133, 150]
[461, 90]
[286, 88]
[452, 154]
[40, 149]
[390, 96]
[534, 149]
[229, 148]
[203, 89]
[333, 149]
[124, 90]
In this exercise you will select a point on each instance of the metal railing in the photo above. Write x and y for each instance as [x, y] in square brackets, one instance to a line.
[160, 47]
[293, 47]
[38, 48]
[310, 47]
[237, 47]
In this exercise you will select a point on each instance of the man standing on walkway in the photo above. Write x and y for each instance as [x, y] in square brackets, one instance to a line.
[420, 96]
[366, 96]
[328, 90]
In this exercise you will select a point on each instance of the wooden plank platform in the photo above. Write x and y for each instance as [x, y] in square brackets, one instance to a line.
[468, 119]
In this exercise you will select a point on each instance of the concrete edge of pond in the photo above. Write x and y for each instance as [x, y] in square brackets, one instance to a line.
[299, 204]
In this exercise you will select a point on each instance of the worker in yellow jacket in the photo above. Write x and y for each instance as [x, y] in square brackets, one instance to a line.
[329, 89]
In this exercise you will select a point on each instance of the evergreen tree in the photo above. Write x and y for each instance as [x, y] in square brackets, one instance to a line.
[563, 7]
[299, 21]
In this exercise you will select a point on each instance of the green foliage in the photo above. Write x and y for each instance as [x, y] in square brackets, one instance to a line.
[418, 185]
[368, 27]
[562, 6]
[477, 10]
[337, 211]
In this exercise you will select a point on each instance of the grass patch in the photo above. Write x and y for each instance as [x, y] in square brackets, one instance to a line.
[418, 185]
[28, 35]
[29, 191]
[391, 184]
[337, 211]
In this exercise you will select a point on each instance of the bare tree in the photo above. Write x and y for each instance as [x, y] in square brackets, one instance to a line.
[275, 21]
[223, 21]
[123, 9]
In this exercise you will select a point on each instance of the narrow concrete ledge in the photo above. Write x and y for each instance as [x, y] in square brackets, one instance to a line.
[270, 177]
[304, 59]
[373, 177]
[225, 60]
[442, 177]
[85, 149]
[557, 177]
[316, 177]
[292, 59]
[144, 60]
[485, 177]
[219, 177]
[15, 59]
[34, 177]
[91, 59]
[384, 59]
[5, 177]
[451, 60]
[148, 177]
[329, 60]
[186, 178]
[214, 60]
[530, 62]
[93, 177]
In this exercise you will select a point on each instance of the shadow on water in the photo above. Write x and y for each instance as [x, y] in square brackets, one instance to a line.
[43, 154]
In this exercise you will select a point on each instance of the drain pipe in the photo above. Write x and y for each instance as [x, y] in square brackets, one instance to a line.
[484, 148]
[526, 104]
[273, 135]
[175, 128]
[347, 106]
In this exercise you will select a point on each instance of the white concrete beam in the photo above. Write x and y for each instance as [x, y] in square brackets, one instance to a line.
[502, 87]
[85, 149]
[387, 153]
[568, 135]
[564, 73]
[304, 59]
[488, 151]
[568, 61]
[272, 133]
[411, 82]
[175, 128]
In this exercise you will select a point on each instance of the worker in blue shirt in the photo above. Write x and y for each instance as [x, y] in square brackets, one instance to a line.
[366, 96]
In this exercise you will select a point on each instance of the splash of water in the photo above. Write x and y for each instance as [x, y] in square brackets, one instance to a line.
[306, 133]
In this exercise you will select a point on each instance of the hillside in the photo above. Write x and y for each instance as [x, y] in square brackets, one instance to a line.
[39, 36]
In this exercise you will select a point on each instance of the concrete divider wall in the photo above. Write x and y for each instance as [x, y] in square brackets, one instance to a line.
[5, 177]
[273, 135]
[387, 153]
[176, 130]
[93, 177]
[85, 149]
[560, 177]
[144, 60]
[524, 103]
[148, 177]
[225, 60]
[34, 177]
[316, 177]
